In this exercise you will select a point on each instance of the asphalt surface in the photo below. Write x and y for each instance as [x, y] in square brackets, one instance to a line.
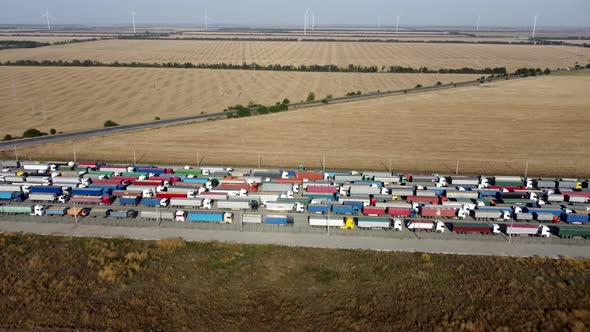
[183, 120]
[463, 247]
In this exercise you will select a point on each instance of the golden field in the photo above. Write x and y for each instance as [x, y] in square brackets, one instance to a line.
[310, 53]
[43, 97]
[495, 128]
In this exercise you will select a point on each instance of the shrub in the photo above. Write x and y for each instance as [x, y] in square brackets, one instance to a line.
[7, 137]
[325, 100]
[358, 93]
[311, 96]
[52, 131]
[110, 123]
[329, 96]
[547, 71]
[171, 244]
[286, 101]
[157, 118]
[33, 133]
[418, 86]
[439, 83]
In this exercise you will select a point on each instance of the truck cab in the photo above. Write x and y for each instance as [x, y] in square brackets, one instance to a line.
[439, 226]
[544, 231]
[506, 215]
[62, 199]
[397, 225]
[348, 223]
[207, 203]
[164, 202]
[496, 229]
[461, 214]
[39, 210]
[180, 216]
[148, 193]
[47, 181]
[441, 181]
[483, 183]
[299, 207]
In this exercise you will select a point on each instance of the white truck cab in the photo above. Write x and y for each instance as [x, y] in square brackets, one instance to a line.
[207, 204]
[164, 202]
[439, 226]
[506, 215]
[147, 193]
[26, 189]
[180, 216]
[62, 199]
[39, 210]
[397, 225]
[299, 207]
[496, 229]
[160, 189]
[243, 192]
[441, 181]
[47, 181]
[284, 175]
[529, 183]
[461, 214]
[385, 191]
[483, 183]
[544, 231]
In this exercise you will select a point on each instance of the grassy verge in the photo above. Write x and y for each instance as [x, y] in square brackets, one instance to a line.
[101, 284]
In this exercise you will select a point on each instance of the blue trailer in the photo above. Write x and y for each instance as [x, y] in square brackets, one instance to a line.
[290, 173]
[357, 204]
[129, 200]
[276, 220]
[151, 201]
[46, 189]
[88, 192]
[123, 214]
[205, 216]
[575, 218]
[488, 193]
[56, 211]
[15, 196]
[344, 209]
[329, 197]
[370, 183]
[496, 208]
[196, 180]
[316, 208]
[156, 171]
[108, 188]
[555, 212]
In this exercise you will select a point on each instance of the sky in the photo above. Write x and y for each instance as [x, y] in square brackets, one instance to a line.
[552, 13]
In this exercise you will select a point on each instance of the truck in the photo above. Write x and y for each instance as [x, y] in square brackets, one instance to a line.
[46, 189]
[282, 206]
[15, 196]
[95, 200]
[318, 208]
[276, 219]
[6, 209]
[525, 229]
[81, 211]
[400, 211]
[540, 183]
[317, 221]
[379, 223]
[280, 187]
[491, 214]
[47, 198]
[576, 218]
[129, 200]
[99, 212]
[345, 209]
[568, 232]
[252, 218]
[123, 214]
[236, 204]
[322, 189]
[425, 225]
[429, 211]
[88, 191]
[44, 180]
[465, 181]
[155, 202]
[374, 211]
[523, 216]
[56, 211]
[190, 203]
[470, 227]
[364, 190]
[216, 217]
[510, 181]
[157, 215]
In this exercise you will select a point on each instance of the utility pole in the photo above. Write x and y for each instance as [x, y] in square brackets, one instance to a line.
[457, 169]
[241, 220]
[15, 153]
[198, 160]
[134, 160]
[328, 221]
[526, 168]
[259, 161]
[324, 163]
[74, 150]
[389, 165]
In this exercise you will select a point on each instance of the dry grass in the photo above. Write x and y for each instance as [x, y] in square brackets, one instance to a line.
[98, 284]
[494, 129]
[369, 54]
[89, 96]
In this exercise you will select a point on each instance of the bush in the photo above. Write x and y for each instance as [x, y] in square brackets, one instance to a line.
[286, 101]
[358, 93]
[52, 131]
[110, 123]
[7, 137]
[439, 83]
[329, 97]
[547, 71]
[325, 100]
[418, 86]
[311, 96]
[157, 118]
[33, 133]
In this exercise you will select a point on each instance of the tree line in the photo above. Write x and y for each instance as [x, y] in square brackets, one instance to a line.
[254, 66]
[10, 44]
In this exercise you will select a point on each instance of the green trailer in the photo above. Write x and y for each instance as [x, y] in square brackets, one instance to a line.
[16, 209]
[99, 212]
[194, 172]
[135, 174]
[509, 183]
[107, 173]
[516, 201]
[303, 200]
[569, 232]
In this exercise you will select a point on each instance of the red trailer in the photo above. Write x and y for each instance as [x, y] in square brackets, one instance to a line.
[171, 195]
[465, 227]
[148, 183]
[399, 211]
[172, 179]
[89, 164]
[110, 182]
[322, 189]
[311, 176]
[436, 211]
[129, 179]
[281, 180]
[424, 199]
[123, 193]
[374, 211]
[104, 200]
[238, 186]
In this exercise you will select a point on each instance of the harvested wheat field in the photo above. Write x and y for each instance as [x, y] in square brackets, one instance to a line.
[310, 53]
[495, 128]
[43, 97]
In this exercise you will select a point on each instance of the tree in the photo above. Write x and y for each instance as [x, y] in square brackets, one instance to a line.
[32, 133]
[418, 86]
[547, 71]
[157, 118]
[286, 101]
[52, 131]
[329, 97]
[325, 100]
[439, 83]
[7, 137]
[311, 96]
[110, 123]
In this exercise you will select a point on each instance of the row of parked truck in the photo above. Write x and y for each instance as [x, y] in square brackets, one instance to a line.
[377, 194]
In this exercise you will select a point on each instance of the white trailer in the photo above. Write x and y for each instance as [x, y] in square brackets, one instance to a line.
[324, 221]
[159, 215]
[280, 187]
[44, 180]
[252, 218]
[531, 230]
[426, 225]
[555, 198]
[285, 206]
[358, 189]
[577, 199]
[234, 204]
[47, 197]
[378, 223]
[186, 202]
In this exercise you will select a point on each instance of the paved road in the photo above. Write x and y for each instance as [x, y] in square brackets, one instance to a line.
[303, 240]
[188, 119]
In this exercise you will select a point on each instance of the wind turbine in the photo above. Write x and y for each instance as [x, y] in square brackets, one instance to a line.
[47, 16]
[478, 20]
[397, 24]
[312, 21]
[206, 20]
[133, 13]
[535, 26]
[305, 19]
